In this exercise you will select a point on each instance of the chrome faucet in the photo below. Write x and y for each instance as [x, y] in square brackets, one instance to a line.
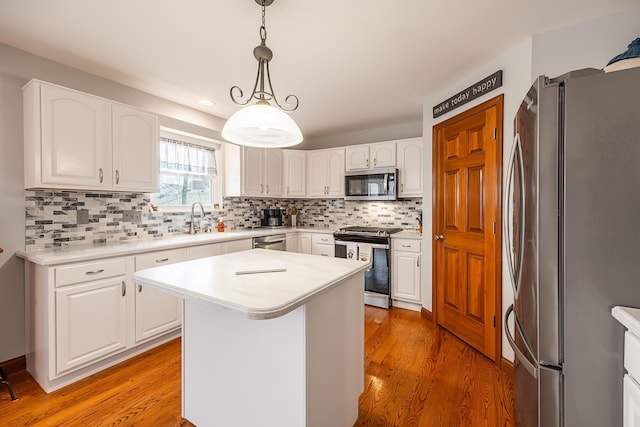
[192, 227]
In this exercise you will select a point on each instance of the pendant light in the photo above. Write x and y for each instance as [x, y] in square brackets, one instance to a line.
[262, 124]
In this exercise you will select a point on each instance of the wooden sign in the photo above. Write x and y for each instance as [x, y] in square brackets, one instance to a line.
[474, 91]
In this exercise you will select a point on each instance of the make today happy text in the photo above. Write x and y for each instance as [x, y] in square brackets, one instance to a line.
[472, 92]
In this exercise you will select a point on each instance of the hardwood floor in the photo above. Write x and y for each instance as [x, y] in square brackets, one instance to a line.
[416, 374]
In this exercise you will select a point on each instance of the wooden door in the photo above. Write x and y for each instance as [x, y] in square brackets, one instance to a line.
[466, 222]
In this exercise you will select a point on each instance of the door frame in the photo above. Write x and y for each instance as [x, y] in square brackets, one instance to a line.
[497, 102]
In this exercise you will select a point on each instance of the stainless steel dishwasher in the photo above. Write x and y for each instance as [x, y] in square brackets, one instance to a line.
[277, 242]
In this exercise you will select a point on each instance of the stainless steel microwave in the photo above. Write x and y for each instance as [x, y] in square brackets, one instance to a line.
[372, 184]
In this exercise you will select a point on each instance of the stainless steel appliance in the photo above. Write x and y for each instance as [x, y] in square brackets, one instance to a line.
[276, 242]
[572, 232]
[273, 217]
[373, 184]
[369, 244]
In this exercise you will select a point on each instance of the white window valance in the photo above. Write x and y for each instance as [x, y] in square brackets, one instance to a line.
[179, 156]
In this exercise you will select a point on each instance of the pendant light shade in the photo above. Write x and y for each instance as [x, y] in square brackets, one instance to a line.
[262, 125]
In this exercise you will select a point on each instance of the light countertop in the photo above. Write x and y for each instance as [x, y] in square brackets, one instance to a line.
[629, 317]
[77, 253]
[407, 234]
[259, 295]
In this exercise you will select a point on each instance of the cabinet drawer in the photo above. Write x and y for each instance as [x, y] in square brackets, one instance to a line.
[156, 259]
[407, 245]
[90, 271]
[322, 239]
[632, 355]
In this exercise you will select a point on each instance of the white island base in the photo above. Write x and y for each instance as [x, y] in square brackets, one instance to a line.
[277, 349]
[302, 369]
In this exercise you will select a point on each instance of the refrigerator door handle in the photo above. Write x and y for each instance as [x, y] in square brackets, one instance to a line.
[515, 270]
[530, 367]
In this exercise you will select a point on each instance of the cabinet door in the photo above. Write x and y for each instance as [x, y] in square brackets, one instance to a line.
[631, 402]
[90, 322]
[317, 173]
[357, 157]
[383, 154]
[203, 251]
[292, 243]
[323, 250]
[304, 243]
[405, 282]
[75, 138]
[335, 173]
[273, 173]
[236, 246]
[135, 149]
[252, 171]
[410, 167]
[156, 311]
[295, 173]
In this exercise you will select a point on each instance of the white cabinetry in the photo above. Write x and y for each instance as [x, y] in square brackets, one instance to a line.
[631, 388]
[204, 251]
[73, 140]
[295, 173]
[292, 242]
[325, 173]
[253, 171]
[410, 167]
[236, 245]
[323, 244]
[90, 313]
[157, 312]
[304, 243]
[367, 156]
[405, 272]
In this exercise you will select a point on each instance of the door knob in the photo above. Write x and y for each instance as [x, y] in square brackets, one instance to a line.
[438, 237]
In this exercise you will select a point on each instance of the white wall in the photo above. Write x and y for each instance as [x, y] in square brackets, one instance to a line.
[589, 44]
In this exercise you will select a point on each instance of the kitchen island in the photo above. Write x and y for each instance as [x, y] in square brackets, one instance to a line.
[281, 347]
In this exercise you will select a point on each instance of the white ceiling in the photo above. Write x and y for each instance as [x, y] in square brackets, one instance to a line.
[353, 64]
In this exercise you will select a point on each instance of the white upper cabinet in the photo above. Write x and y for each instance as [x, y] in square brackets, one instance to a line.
[135, 149]
[260, 171]
[410, 167]
[78, 141]
[325, 173]
[294, 173]
[371, 156]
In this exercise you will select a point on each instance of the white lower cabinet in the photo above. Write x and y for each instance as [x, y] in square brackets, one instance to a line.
[157, 312]
[304, 243]
[236, 245]
[323, 244]
[204, 251]
[405, 273]
[292, 243]
[90, 322]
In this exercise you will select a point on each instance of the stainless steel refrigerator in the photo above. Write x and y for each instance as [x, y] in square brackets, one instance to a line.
[572, 232]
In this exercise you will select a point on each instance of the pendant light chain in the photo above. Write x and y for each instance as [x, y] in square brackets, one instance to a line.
[263, 29]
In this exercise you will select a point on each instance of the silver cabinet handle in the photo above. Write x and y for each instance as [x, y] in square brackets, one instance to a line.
[406, 246]
[262, 188]
[159, 260]
[367, 162]
[375, 161]
[117, 176]
[124, 289]
[89, 273]
[418, 262]
[139, 288]
[402, 188]
[267, 188]
[101, 174]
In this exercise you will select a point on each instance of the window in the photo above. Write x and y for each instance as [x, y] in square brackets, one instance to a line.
[188, 170]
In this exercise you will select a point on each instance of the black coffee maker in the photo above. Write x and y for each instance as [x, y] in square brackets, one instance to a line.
[272, 217]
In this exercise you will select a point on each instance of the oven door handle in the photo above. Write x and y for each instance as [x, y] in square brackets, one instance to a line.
[386, 184]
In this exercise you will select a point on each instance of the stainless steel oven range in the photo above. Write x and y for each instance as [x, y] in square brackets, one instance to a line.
[369, 244]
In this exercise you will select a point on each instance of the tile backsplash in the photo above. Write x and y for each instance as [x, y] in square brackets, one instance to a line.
[57, 218]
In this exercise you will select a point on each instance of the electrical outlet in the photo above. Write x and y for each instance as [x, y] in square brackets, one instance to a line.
[82, 216]
[132, 216]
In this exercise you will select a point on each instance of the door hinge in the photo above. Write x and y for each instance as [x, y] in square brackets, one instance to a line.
[494, 321]
[494, 228]
[495, 133]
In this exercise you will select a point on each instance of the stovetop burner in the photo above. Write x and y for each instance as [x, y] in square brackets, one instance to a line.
[367, 231]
